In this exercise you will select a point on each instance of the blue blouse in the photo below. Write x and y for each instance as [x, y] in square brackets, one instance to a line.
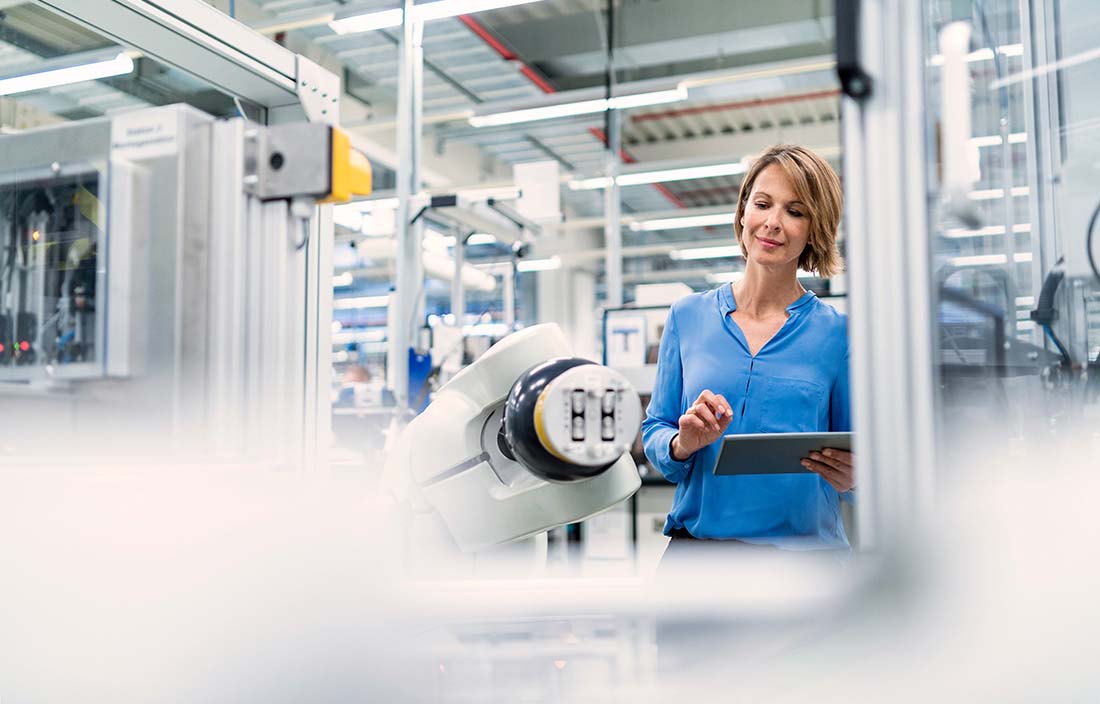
[798, 382]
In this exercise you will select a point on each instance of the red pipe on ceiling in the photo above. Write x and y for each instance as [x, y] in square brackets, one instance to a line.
[546, 86]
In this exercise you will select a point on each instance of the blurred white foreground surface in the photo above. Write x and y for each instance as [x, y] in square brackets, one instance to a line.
[196, 584]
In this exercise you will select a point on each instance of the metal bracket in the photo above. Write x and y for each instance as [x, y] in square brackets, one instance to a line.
[854, 80]
[318, 90]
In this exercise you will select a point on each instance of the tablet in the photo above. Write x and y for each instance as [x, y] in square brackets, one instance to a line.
[774, 453]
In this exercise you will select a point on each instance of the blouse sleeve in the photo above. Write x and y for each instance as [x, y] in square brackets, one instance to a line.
[840, 410]
[662, 421]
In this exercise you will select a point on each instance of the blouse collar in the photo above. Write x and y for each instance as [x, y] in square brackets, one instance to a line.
[727, 303]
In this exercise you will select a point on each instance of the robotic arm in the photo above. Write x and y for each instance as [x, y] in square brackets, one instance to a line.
[525, 439]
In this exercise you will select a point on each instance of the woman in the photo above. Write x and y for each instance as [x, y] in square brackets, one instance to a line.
[762, 355]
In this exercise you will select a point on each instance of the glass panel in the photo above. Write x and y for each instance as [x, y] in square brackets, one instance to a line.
[1012, 92]
[34, 39]
[51, 233]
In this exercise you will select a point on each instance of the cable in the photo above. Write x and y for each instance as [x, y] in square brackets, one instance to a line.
[1045, 312]
[240, 108]
[302, 210]
[1057, 343]
[305, 238]
[1088, 242]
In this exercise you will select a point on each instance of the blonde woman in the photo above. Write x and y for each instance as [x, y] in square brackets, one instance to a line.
[761, 355]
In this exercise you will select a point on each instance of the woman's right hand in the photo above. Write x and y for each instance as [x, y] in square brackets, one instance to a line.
[704, 422]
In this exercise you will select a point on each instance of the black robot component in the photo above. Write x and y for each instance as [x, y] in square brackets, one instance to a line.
[519, 424]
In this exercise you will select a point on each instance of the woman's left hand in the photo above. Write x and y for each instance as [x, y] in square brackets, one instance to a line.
[835, 466]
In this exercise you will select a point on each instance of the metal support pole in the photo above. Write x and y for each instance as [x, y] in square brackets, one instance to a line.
[889, 279]
[407, 301]
[510, 297]
[458, 291]
[613, 231]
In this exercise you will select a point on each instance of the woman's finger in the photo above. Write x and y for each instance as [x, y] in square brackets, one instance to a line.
[844, 456]
[715, 403]
[704, 413]
[698, 427]
[837, 479]
[831, 461]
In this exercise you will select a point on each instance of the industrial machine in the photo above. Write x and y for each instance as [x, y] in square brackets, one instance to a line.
[161, 277]
[526, 438]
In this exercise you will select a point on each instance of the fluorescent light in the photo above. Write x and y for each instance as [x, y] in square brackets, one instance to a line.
[352, 336]
[984, 54]
[344, 279]
[582, 107]
[706, 252]
[662, 176]
[962, 232]
[368, 22]
[995, 193]
[360, 302]
[725, 276]
[384, 19]
[1025, 301]
[547, 112]
[452, 8]
[539, 264]
[984, 259]
[803, 274]
[481, 238]
[994, 140]
[641, 100]
[680, 223]
[119, 65]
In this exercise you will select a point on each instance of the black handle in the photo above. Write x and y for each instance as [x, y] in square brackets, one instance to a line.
[854, 81]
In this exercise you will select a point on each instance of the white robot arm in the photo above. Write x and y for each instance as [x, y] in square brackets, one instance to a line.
[525, 439]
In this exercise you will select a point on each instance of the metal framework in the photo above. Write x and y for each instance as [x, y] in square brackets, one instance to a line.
[196, 38]
[893, 376]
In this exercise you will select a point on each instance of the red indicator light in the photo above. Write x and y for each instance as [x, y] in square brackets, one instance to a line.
[1, 348]
[24, 346]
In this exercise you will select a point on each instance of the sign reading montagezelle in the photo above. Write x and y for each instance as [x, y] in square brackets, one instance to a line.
[145, 134]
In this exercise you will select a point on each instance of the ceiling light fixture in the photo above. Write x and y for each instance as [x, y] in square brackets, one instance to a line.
[995, 193]
[367, 22]
[723, 277]
[682, 222]
[481, 238]
[961, 232]
[987, 259]
[361, 302]
[582, 107]
[661, 176]
[385, 19]
[983, 54]
[994, 140]
[539, 264]
[732, 250]
[119, 65]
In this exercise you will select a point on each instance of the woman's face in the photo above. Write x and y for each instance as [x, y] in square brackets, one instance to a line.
[776, 225]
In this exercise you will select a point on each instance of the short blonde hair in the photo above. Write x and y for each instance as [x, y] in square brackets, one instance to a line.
[818, 187]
